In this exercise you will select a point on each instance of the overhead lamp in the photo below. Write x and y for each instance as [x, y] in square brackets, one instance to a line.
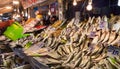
[89, 6]
[49, 12]
[15, 2]
[60, 12]
[15, 9]
[8, 7]
[118, 2]
[74, 2]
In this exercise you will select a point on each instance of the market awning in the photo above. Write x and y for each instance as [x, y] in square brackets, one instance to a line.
[6, 6]
[5, 3]
[28, 3]
[4, 10]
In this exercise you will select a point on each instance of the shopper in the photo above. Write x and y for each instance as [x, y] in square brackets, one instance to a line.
[46, 20]
[39, 17]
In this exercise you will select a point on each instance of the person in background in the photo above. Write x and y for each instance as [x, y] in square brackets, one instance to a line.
[39, 17]
[53, 19]
[46, 20]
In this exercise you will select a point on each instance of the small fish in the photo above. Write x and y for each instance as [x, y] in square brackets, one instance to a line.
[77, 56]
[71, 55]
[112, 37]
[85, 61]
[78, 62]
[49, 41]
[67, 48]
[108, 65]
[54, 54]
[95, 39]
[102, 37]
[106, 37]
[101, 57]
[116, 40]
[53, 60]
[71, 48]
[113, 62]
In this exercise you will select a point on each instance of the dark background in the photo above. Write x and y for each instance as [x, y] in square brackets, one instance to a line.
[100, 8]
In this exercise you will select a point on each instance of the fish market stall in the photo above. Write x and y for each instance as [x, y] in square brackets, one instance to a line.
[71, 42]
[89, 44]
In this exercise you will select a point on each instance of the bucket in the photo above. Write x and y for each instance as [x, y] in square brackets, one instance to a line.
[15, 31]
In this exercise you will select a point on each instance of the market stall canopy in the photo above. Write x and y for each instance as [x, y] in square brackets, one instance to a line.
[4, 6]
[5, 2]
[28, 3]
[4, 10]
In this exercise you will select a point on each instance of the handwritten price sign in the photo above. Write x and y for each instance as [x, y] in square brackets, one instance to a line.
[113, 51]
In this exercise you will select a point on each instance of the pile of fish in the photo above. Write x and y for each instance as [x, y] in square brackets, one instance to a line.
[8, 60]
[79, 45]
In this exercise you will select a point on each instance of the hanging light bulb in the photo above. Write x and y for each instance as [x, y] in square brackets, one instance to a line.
[118, 2]
[74, 2]
[89, 6]
[49, 13]
[60, 12]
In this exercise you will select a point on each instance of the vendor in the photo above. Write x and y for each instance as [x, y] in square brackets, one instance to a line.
[39, 16]
[33, 23]
[53, 19]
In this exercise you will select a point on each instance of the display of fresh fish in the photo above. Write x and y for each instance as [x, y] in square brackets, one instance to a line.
[103, 35]
[78, 46]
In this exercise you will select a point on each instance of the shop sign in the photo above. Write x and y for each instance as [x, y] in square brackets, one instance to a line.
[113, 51]
[29, 3]
[53, 7]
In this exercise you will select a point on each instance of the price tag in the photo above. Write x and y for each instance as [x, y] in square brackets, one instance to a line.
[52, 29]
[92, 34]
[52, 9]
[77, 15]
[68, 30]
[102, 25]
[113, 51]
